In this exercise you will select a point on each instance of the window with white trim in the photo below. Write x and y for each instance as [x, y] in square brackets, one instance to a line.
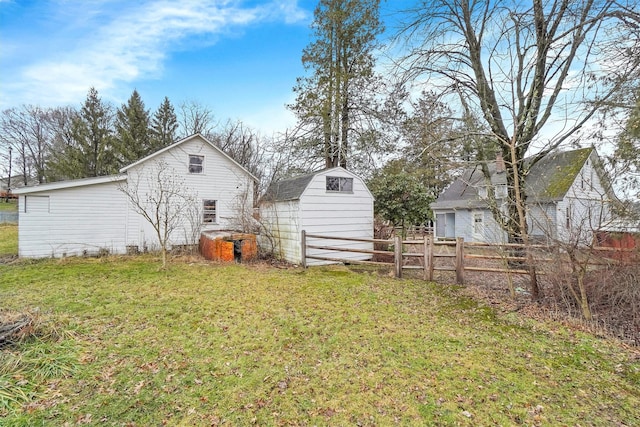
[340, 184]
[196, 163]
[209, 211]
[501, 191]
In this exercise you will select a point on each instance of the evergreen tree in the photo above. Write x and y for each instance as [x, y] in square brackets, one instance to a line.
[132, 131]
[335, 98]
[164, 125]
[90, 151]
[401, 198]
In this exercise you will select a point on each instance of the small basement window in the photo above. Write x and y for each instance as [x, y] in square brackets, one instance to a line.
[209, 212]
[340, 184]
[196, 163]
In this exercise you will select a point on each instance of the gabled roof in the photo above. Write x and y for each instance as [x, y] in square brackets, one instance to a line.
[552, 176]
[293, 188]
[549, 179]
[182, 141]
[70, 184]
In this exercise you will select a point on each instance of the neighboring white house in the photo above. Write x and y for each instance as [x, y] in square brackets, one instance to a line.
[331, 202]
[93, 215]
[568, 198]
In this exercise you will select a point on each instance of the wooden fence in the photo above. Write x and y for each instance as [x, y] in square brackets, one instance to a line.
[426, 255]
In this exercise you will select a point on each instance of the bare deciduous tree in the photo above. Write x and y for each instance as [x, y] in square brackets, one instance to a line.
[538, 72]
[162, 198]
[25, 130]
[194, 117]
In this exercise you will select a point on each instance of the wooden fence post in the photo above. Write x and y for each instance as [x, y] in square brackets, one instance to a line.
[428, 258]
[460, 260]
[397, 255]
[303, 249]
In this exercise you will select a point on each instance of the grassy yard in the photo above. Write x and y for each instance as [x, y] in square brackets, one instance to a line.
[8, 240]
[11, 206]
[206, 344]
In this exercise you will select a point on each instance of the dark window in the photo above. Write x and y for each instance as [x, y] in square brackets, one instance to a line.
[209, 214]
[196, 164]
[336, 183]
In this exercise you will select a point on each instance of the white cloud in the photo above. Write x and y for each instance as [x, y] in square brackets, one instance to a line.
[116, 42]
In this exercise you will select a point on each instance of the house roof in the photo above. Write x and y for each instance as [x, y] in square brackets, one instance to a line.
[182, 141]
[549, 179]
[293, 188]
[70, 184]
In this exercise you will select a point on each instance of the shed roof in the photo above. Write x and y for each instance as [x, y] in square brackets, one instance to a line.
[288, 189]
[549, 179]
[293, 188]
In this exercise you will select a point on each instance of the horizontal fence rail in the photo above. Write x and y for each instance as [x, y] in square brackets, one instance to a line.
[423, 254]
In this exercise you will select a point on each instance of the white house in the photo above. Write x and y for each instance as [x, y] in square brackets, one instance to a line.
[331, 202]
[94, 215]
[568, 197]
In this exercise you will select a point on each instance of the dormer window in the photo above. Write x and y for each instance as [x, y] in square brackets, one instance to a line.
[501, 191]
[196, 163]
[482, 192]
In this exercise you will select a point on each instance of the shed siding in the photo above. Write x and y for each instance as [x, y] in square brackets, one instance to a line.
[78, 220]
[282, 221]
[318, 211]
[348, 214]
[221, 180]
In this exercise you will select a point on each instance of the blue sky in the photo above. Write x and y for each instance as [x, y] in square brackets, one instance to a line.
[239, 58]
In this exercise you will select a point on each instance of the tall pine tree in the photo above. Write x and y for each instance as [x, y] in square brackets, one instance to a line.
[334, 99]
[132, 131]
[90, 149]
[164, 125]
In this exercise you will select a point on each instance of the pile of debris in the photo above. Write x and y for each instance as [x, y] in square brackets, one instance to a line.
[14, 327]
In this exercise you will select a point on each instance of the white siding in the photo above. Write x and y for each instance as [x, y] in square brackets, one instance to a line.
[72, 221]
[94, 215]
[318, 211]
[282, 220]
[222, 180]
[588, 204]
[348, 214]
[490, 231]
[543, 220]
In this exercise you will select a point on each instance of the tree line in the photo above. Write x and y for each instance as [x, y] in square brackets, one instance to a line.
[97, 139]
[472, 80]
[515, 79]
